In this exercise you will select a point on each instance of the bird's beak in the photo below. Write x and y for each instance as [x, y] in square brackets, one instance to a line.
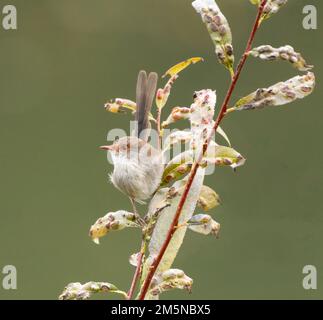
[107, 148]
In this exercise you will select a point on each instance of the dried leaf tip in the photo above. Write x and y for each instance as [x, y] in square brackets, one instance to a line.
[219, 30]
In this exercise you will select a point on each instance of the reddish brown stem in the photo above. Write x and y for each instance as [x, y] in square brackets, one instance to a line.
[196, 165]
[135, 276]
[159, 128]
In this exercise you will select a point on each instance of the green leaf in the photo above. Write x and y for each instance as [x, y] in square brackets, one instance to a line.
[179, 67]
[113, 221]
[224, 156]
[208, 199]
[177, 167]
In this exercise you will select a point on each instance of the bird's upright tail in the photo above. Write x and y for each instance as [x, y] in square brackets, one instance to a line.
[145, 93]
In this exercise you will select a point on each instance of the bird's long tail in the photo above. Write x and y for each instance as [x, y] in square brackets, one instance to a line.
[145, 93]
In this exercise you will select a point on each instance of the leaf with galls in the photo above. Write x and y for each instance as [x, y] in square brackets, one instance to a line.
[113, 221]
[170, 279]
[285, 53]
[78, 291]
[219, 30]
[279, 94]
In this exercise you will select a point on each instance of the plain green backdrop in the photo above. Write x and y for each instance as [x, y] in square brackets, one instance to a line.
[67, 58]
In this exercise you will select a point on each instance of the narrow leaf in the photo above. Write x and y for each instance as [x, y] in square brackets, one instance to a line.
[78, 291]
[279, 94]
[286, 53]
[221, 132]
[175, 70]
[166, 217]
[219, 30]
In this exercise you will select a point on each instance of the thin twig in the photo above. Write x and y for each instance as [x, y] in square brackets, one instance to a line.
[137, 273]
[196, 165]
[159, 110]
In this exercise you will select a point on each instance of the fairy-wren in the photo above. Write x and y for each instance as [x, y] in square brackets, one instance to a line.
[138, 166]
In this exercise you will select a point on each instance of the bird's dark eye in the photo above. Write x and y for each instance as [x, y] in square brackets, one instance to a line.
[194, 95]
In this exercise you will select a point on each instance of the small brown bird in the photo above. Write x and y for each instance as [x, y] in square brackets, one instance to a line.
[138, 166]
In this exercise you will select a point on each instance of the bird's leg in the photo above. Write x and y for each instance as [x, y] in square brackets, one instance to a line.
[140, 220]
[133, 206]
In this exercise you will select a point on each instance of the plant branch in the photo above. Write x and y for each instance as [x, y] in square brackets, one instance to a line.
[137, 273]
[196, 165]
[159, 110]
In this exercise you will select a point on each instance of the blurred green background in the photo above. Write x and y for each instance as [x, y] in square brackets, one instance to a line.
[67, 58]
